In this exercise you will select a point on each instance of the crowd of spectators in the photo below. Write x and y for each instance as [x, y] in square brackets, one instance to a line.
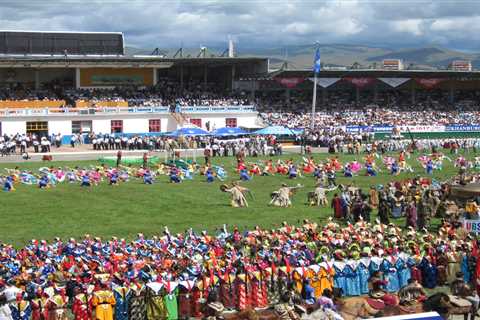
[165, 93]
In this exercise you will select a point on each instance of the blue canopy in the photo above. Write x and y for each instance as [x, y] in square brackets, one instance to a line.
[226, 131]
[276, 130]
[189, 132]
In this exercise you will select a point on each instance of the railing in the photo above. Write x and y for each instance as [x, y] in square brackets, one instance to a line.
[6, 112]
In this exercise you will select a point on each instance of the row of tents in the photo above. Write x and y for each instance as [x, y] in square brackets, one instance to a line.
[228, 132]
[233, 131]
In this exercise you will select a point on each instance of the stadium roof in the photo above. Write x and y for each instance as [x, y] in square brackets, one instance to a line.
[61, 61]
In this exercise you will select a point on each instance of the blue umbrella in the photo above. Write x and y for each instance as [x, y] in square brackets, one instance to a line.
[276, 130]
[189, 132]
[222, 132]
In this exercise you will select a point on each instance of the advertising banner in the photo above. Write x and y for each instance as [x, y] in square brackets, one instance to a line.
[472, 225]
[429, 83]
[360, 82]
[289, 82]
[462, 127]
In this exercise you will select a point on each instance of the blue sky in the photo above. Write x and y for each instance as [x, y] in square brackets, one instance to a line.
[159, 23]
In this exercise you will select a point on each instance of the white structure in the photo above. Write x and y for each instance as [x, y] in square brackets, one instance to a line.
[392, 64]
[129, 120]
[460, 65]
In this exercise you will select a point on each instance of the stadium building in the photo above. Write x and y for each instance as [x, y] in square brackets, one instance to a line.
[73, 61]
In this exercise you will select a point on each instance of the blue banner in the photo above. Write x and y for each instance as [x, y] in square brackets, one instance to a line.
[462, 127]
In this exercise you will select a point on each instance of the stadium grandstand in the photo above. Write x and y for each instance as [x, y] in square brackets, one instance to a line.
[72, 83]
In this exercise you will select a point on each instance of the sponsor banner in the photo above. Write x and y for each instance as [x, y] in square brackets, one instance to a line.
[114, 80]
[472, 225]
[360, 82]
[429, 83]
[378, 129]
[289, 82]
[394, 82]
[431, 128]
[462, 127]
[382, 129]
[325, 82]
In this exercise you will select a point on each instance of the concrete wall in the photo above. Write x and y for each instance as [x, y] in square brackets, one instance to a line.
[131, 123]
[63, 127]
[135, 125]
[101, 126]
[14, 127]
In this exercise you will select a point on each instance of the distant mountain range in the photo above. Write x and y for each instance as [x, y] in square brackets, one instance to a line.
[301, 57]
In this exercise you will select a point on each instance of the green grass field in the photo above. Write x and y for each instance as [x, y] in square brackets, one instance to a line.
[71, 211]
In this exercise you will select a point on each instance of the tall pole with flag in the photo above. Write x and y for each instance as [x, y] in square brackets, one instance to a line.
[316, 70]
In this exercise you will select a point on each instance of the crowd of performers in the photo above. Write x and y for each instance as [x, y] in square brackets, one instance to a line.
[176, 276]
[47, 177]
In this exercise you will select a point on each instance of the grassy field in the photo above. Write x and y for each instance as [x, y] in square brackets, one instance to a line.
[71, 211]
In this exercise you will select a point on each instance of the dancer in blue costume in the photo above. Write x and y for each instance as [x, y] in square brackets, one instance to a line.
[292, 172]
[122, 296]
[364, 275]
[352, 281]
[113, 179]
[429, 273]
[174, 175]
[209, 175]
[147, 177]
[371, 171]
[390, 275]
[8, 184]
[404, 273]
[244, 175]
[43, 182]
[429, 167]
[394, 170]
[309, 292]
[465, 268]
[347, 172]
[85, 181]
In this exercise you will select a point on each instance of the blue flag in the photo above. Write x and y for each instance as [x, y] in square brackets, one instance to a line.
[316, 62]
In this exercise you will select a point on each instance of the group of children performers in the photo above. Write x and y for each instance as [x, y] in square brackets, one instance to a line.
[88, 177]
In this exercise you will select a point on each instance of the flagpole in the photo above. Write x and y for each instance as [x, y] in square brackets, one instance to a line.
[314, 101]
[316, 69]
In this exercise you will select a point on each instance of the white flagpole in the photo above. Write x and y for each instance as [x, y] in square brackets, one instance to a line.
[314, 100]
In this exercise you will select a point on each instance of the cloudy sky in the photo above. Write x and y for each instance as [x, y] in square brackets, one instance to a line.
[160, 23]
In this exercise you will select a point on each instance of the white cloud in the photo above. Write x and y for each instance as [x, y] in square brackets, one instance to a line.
[166, 23]
[413, 26]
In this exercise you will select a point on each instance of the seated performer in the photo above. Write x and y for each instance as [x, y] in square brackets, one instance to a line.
[43, 182]
[292, 172]
[429, 167]
[113, 179]
[174, 178]
[347, 172]
[8, 184]
[244, 175]
[395, 170]
[209, 175]
[85, 181]
[370, 170]
[147, 177]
